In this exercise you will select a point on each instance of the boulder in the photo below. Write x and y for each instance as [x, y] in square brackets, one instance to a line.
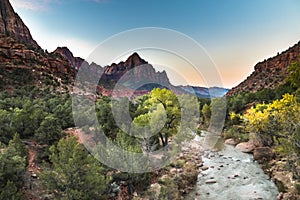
[262, 154]
[230, 141]
[245, 147]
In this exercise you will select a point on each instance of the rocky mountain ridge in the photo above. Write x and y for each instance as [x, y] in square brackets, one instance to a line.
[76, 62]
[269, 73]
[23, 62]
[12, 25]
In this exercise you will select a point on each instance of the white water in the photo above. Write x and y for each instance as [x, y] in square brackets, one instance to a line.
[236, 177]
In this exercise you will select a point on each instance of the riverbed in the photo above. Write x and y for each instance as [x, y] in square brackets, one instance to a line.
[229, 174]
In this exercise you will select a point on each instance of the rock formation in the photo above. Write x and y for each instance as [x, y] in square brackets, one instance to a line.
[12, 25]
[270, 73]
[134, 70]
[67, 54]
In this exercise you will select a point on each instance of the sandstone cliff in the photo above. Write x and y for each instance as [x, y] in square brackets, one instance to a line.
[67, 54]
[135, 70]
[12, 25]
[269, 73]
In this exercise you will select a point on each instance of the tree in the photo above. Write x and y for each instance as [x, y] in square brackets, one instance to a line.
[105, 117]
[294, 71]
[10, 192]
[206, 112]
[278, 121]
[20, 148]
[49, 131]
[12, 165]
[64, 113]
[164, 108]
[74, 174]
[6, 131]
[27, 119]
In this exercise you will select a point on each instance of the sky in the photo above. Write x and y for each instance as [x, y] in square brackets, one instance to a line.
[234, 34]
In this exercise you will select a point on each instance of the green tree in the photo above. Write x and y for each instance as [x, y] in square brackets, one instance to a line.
[294, 71]
[6, 132]
[74, 173]
[27, 119]
[18, 145]
[10, 192]
[206, 112]
[49, 131]
[164, 108]
[218, 115]
[12, 166]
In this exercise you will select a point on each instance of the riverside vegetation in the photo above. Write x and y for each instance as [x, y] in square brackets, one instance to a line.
[270, 119]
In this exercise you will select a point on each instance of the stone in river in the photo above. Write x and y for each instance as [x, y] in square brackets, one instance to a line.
[211, 181]
[230, 141]
[245, 147]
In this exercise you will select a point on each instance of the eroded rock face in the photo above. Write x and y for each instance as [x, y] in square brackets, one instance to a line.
[270, 73]
[16, 56]
[136, 69]
[67, 54]
[12, 25]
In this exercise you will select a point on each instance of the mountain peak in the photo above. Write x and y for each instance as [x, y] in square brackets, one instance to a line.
[67, 54]
[63, 51]
[12, 25]
[135, 60]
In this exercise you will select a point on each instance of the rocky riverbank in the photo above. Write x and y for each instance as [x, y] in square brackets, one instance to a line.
[178, 178]
[230, 174]
[281, 170]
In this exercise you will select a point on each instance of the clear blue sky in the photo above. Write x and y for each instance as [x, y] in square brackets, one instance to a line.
[236, 33]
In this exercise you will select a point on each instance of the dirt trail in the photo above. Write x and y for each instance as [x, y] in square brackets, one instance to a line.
[32, 183]
[32, 157]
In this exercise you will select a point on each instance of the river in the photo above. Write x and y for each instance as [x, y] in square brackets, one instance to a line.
[231, 175]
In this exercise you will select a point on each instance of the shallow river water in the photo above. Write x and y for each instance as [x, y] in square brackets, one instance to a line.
[231, 174]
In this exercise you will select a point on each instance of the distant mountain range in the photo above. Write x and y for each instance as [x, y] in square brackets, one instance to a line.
[23, 62]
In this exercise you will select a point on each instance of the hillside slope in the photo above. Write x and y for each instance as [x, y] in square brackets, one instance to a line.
[269, 73]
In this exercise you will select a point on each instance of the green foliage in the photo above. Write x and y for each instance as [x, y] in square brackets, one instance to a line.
[49, 131]
[218, 114]
[206, 112]
[74, 173]
[10, 192]
[163, 113]
[18, 145]
[294, 77]
[105, 117]
[12, 167]
[6, 131]
[237, 133]
[23, 113]
[297, 186]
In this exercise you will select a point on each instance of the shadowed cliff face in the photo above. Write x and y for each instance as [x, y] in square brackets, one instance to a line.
[132, 71]
[270, 73]
[12, 25]
[67, 54]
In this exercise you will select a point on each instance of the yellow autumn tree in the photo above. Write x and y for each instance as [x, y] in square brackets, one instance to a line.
[276, 123]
